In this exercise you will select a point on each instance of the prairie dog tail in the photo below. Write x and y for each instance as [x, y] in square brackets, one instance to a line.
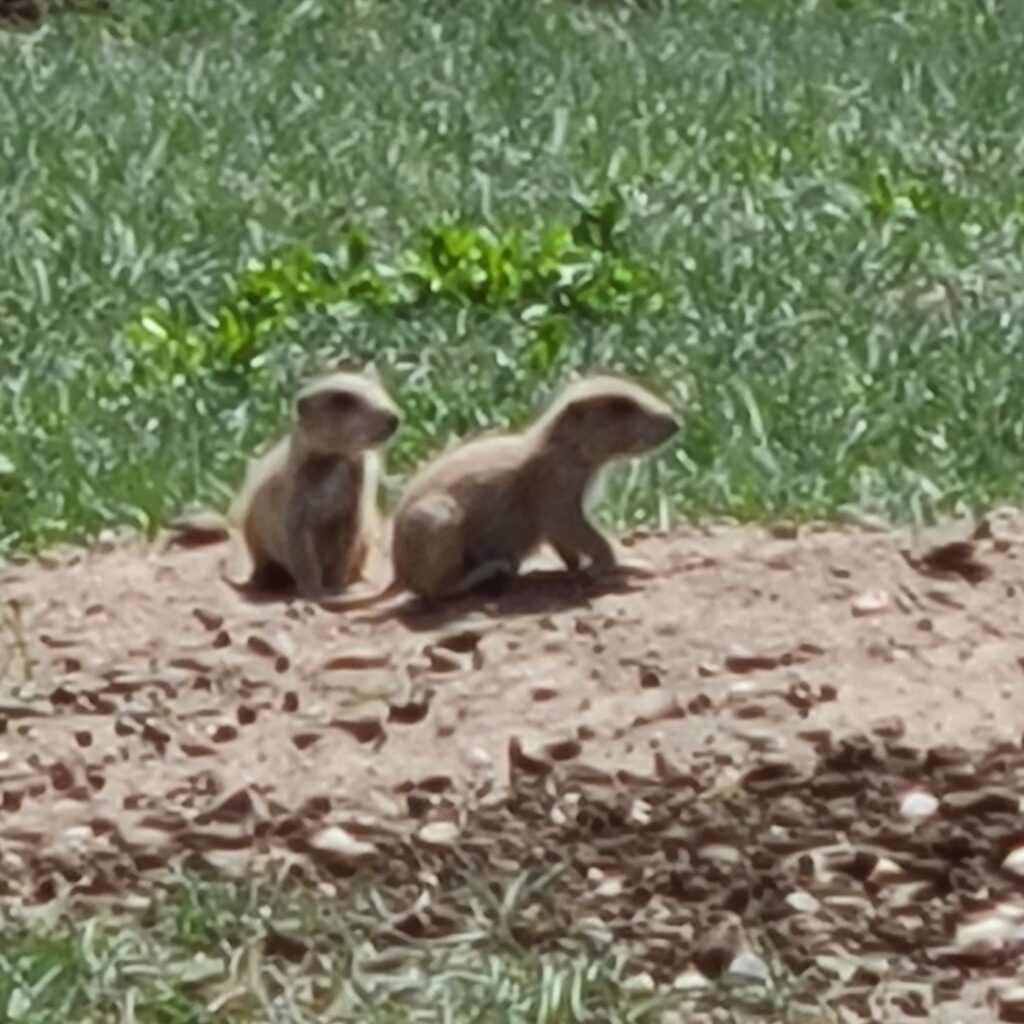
[197, 529]
[202, 529]
[351, 603]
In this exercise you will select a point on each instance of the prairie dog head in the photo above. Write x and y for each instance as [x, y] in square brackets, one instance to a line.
[603, 418]
[345, 413]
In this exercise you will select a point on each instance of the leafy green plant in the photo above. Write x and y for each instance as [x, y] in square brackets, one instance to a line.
[543, 277]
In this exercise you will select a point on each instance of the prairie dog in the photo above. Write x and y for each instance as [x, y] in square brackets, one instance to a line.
[308, 508]
[477, 511]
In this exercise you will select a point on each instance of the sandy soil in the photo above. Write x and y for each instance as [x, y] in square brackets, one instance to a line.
[816, 686]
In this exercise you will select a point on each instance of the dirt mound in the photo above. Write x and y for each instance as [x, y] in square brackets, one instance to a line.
[802, 752]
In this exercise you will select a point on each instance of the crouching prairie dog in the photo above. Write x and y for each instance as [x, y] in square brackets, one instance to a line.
[476, 512]
[308, 507]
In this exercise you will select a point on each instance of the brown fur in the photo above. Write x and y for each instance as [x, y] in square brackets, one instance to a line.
[476, 512]
[307, 511]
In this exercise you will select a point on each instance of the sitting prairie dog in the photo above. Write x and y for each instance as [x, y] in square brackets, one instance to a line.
[307, 511]
[478, 511]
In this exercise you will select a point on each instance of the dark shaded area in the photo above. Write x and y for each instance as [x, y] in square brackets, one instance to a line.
[802, 874]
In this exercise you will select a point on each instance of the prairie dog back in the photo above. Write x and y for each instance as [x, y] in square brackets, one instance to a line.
[480, 509]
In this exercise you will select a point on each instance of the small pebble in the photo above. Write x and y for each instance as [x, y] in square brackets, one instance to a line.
[337, 842]
[872, 602]
[440, 833]
[477, 757]
[750, 968]
[720, 852]
[609, 888]
[918, 803]
[1014, 862]
[689, 980]
[640, 813]
[803, 902]
[989, 931]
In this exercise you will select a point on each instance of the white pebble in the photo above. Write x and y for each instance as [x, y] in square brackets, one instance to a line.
[873, 602]
[440, 833]
[640, 813]
[720, 852]
[1014, 862]
[689, 980]
[992, 930]
[803, 902]
[479, 758]
[886, 870]
[919, 803]
[609, 888]
[341, 843]
[749, 967]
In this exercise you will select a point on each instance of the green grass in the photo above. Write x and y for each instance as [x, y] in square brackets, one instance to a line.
[280, 946]
[807, 180]
[197, 952]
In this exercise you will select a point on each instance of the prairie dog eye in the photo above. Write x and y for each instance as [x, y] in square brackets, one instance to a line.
[341, 401]
[620, 407]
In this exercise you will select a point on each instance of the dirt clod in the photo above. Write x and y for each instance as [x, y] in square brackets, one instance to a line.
[357, 661]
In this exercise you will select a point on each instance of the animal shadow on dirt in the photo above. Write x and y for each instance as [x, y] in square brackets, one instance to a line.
[271, 586]
[537, 592]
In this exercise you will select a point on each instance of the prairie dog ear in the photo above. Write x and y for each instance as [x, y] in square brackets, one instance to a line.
[619, 406]
[349, 364]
